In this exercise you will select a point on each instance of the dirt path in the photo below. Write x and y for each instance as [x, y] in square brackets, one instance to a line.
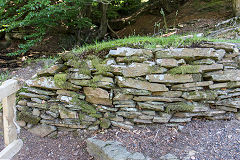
[197, 140]
[67, 146]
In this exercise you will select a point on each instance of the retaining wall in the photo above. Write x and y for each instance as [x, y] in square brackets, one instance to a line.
[135, 86]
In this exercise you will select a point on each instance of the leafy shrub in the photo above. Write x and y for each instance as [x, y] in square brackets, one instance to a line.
[39, 17]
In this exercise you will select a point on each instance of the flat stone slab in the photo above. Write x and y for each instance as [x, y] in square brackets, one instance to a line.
[43, 82]
[97, 96]
[138, 84]
[111, 150]
[170, 78]
[191, 85]
[227, 75]
[42, 130]
[136, 70]
[158, 99]
[200, 95]
[190, 53]
[128, 52]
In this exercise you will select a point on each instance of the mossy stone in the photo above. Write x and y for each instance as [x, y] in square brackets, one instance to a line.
[28, 117]
[188, 69]
[179, 107]
[105, 123]
[60, 80]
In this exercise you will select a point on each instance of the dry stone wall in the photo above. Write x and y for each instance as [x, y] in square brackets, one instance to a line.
[135, 86]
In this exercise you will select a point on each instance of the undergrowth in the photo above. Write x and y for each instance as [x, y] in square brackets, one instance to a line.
[102, 48]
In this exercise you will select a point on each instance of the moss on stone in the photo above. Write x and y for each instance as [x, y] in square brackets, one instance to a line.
[81, 116]
[231, 84]
[83, 105]
[87, 108]
[187, 69]
[201, 95]
[28, 117]
[93, 82]
[96, 115]
[179, 107]
[99, 65]
[105, 123]
[60, 80]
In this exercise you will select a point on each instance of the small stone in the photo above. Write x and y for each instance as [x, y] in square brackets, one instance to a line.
[136, 156]
[43, 82]
[42, 130]
[218, 86]
[237, 115]
[169, 156]
[36, 112]
[200, 95]
[22, 103]
[170, 94]
[142, 121]
[129, 114]
[32, 95]
[37, 100]
[170, 78]
[80, 76]
[168, 63]
[207, 61]
[40, 91]
[131, 91]
[150, 113]
[163, 119]
[53, 114]
[105, 123]
[144, 117]
[179, 120]
[65, 113]
[21, 123]
[229, 47]
[93, 128]
[122, 125]
[157, 99]
[224, 76]
[97, 96]
[37, 105]
[138, 84]
[128, 52]
[191, 85]
[45, 116]
[136, 70]
[121, 97]
[51, 70]
[190, 54]
[28, 117]
[152, 106]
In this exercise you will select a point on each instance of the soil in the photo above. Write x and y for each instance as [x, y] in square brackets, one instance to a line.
[197, 140]
[66, 146]
[191, 17]
[200, 140]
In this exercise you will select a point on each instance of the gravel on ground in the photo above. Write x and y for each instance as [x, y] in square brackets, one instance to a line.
[197, 140]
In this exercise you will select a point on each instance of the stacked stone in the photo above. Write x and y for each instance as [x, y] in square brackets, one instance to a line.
[141, 87]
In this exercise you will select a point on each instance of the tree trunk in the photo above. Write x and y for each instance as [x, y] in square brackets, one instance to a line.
[236, 7]
[103, 27]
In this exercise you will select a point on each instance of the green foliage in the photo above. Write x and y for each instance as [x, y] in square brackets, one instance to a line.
[4, 76]
[40, 17]
[135, 42]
